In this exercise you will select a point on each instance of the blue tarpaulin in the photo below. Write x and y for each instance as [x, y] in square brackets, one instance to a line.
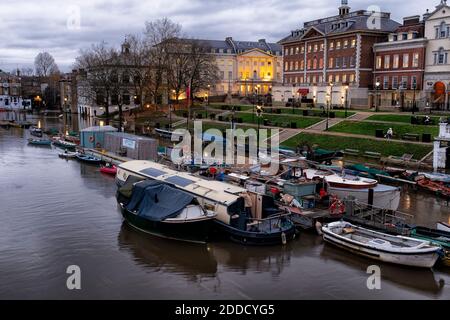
[158, 201]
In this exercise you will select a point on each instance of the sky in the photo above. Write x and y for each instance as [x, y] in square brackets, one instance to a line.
[62, 28]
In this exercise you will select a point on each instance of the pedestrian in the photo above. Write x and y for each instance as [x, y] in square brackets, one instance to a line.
[427, 120]
[389, 134]
[248, 203]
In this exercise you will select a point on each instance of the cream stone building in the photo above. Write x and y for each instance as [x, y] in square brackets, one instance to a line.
[246, 67]
[437, 64]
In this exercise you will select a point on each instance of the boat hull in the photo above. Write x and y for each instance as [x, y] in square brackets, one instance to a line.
[384, 197]
[255, 238]
[419, 259]
[195, 232]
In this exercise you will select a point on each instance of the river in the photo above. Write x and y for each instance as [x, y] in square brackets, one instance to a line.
[56, 213]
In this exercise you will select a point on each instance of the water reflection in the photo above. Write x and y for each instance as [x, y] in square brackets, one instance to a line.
[158, 254]
[410, 278]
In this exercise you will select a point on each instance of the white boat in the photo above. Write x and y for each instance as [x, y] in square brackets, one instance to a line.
[68, 155]
[384, 196]
[380, 246]
[443, 226]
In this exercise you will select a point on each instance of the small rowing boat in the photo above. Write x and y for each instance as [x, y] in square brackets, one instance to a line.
[36, 132]
[64, 144]
[68, 155]
[380, 246]
[88, 159]
[436, 237]
[109, 169]
[39, 142]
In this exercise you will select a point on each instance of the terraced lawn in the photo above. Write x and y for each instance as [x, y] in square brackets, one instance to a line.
[402, 118]
[369, 128]
[279, 120]
[386, 148]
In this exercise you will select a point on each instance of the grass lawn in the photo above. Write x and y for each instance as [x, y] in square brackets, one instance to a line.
[317, 112]
[219, 106]
[369, 128]
[403, 118]
[279, 120]
[386, 148]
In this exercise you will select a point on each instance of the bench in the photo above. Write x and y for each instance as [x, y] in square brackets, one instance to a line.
[351, 152]
[372, 155]
[411, 137]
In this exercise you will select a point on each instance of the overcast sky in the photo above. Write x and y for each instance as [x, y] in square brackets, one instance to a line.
[28, 27]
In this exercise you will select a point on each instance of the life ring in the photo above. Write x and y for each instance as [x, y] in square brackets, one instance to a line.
[91, 139]
[337, 207]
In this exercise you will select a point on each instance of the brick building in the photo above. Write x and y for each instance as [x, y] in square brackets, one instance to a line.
[399, 68]
[336, 50]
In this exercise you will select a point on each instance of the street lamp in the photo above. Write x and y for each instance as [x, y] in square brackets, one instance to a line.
[328, 111]
[331, 94]
[414, 98]
[377, 88]
[346, 101]
[259, 111]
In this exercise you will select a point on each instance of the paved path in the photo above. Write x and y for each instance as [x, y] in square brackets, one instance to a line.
[360, 116]
[322, 125]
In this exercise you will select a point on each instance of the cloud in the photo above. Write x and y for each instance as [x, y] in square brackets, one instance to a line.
[29, 27]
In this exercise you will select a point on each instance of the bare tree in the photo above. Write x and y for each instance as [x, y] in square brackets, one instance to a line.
[45, 65]
[27, 71]
[101, 77]
[158, 35]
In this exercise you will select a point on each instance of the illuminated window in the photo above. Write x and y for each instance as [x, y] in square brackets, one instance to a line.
[396, 61]
[338, 45]
[387, 62]
[406, 60]
[352, 78]
[330, 62]
[331, 45]
[415, 62]
[353, 43]
[345, 44]
[297, 50]
[316, 47]
[378, 64]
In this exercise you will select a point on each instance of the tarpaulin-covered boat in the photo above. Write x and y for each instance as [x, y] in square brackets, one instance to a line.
[162, 210]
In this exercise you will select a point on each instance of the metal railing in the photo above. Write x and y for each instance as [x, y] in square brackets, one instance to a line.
[383, 219]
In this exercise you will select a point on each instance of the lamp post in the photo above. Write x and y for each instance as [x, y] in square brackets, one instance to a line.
[414, 98]
[346, 101]
[331, 94]
[377, 88]
[328, 111]
[259, 110]
[170, 116]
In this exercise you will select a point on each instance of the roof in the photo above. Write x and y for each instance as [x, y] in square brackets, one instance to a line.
[238, 46]
[130, 136]
[99, 129]
[335, 25]
[216, 191]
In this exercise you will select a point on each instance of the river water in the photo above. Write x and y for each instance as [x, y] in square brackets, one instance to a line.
[56, 213]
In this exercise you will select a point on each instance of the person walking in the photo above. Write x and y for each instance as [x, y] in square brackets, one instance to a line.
[248, 203]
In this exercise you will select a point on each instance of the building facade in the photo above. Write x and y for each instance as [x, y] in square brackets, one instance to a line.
[335, 50]
[246, 67]
[399, 68]
[11, 93]
[437, 63]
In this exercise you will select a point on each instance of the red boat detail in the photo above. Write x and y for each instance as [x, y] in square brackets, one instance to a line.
[109, 170]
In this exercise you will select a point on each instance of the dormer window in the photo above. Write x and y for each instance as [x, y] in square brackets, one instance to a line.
[395, 37]
[404, 36]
